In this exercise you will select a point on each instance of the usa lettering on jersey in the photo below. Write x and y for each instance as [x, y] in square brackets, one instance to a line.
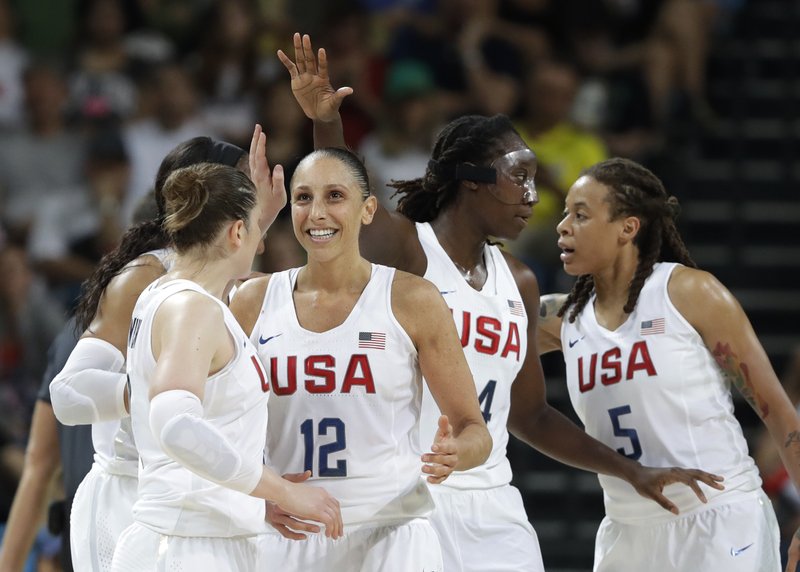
[612, 366]
[320, 372]
[489, 335]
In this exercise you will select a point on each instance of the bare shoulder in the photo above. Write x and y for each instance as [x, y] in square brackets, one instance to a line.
[246, 304]
[252, 290]
[691, 286]
[135, 277]
[522, 273]
[411, 292]
[698, 295]
[116, 305]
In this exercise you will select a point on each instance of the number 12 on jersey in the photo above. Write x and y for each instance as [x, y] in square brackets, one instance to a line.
[338, 444]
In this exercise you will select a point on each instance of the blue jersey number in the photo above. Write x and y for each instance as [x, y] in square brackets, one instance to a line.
[487, 395]
[631, 434]
[307, 430]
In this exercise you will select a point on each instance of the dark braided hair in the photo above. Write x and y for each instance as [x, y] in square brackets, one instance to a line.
[635, 191]
[472, 139]
[150, 235]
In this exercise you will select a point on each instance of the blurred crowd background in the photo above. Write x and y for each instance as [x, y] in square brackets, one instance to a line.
[93, 94]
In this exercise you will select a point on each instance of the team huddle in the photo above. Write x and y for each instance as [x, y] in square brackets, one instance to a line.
[353, 414]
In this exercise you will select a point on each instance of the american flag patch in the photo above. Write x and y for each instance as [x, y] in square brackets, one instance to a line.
[516, 308]
[372, 340]
[652, 327]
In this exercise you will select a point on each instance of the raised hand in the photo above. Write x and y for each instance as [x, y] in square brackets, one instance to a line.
[271, 183]
[443, 458]
[316, 504]
[650, 482]
[311, 85]
[286, 523]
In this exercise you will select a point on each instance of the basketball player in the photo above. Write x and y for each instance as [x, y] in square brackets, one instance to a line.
[92, 386]
[347, 343]
[652, 345]
[198, 391]
[479, 184]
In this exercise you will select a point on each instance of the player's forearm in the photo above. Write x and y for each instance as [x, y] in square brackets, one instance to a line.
[559, 438]
[329, 133]
[474, 446]
[787, 440]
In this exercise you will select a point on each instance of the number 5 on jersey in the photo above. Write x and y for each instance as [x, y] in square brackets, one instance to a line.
[620, 431]
[338, 444]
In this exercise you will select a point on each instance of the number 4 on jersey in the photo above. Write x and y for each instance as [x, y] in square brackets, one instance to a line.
[487, 395]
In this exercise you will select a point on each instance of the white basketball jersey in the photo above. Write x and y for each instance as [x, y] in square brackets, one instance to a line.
[493, 327]
[652, 391]
[172, 499]
[114, 446]
[345, 402]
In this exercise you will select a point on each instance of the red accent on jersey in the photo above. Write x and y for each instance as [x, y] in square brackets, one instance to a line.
[482, 328]
[645, 364]
[512, 342]
[465, 328]
[610, 369]
[611, 361]
[322, 367]
[584, 387]
[351, 378]
[291, 373]
[261, 376]
[328, 375]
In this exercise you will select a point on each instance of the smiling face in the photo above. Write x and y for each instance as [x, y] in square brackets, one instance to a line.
[589, 240]
[328, 207]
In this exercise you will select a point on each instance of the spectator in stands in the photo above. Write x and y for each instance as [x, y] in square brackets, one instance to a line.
[171, 119]
[45, 158]
[13, 61]
[400, 146]
[562, 150]
[225, 70]
[29, 320]
[69, 235]
[101, 84]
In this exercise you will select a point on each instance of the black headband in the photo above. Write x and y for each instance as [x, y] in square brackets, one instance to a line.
[224, 153]
[463, 172]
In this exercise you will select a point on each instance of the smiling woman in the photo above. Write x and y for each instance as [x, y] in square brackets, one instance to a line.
[360, 336]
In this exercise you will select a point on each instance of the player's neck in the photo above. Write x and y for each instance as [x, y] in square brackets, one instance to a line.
[335, 275]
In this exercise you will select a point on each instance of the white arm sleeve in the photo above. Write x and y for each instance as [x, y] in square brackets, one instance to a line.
[91, 388]
[176, 420]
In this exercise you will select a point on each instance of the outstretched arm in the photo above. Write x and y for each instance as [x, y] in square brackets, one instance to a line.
[537, 423]
[462, 441]
[727, 333]
[391, 239]
[312, 88]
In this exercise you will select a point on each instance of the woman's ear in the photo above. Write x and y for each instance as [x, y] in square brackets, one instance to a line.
[630, 228]
[369, 208]
[236, 232]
